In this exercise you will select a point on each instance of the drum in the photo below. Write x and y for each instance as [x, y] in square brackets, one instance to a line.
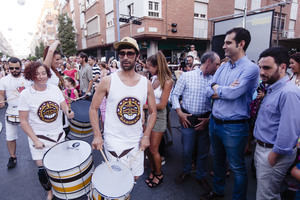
[13, 119]
[80, 125]
[115, 184]
[69, 166]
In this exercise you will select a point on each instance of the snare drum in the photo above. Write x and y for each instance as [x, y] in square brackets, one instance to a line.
[69, 166]
[80, 125]
[13, 119]
[115, 184]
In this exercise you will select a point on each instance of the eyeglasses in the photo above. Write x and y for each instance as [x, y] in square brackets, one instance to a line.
[14, 68]
[129, 54]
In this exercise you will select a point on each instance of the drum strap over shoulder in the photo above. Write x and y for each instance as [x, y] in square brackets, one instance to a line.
[49, 139]
[122, 154]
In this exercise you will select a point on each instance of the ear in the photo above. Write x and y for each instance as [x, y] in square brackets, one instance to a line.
[283, 66]
[242, 44]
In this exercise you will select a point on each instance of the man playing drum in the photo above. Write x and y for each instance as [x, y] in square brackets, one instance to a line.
[10, 87]
[126, 93]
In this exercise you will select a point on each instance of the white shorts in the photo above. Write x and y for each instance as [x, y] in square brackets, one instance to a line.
[38, 154]
[134, 160]
[11, 131]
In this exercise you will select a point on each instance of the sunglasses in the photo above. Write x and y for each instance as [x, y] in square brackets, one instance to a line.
[129, 54]
[14, 68]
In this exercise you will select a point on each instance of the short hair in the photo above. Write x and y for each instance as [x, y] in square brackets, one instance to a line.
[30, 70]
[15, 60]
[296, 57]
[126, 46]
[83, 55]
[211, 55]
[92, 57]
[241, 34]
[279, 54]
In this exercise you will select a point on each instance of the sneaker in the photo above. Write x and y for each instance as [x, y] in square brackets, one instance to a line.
[12, 162]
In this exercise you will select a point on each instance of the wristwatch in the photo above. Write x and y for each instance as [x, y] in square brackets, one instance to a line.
[213, 84]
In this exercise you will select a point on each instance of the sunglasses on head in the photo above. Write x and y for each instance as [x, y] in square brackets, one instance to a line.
[14, 68]
[129, 54]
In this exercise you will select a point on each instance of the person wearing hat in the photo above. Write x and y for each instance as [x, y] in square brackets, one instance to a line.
[126, 92]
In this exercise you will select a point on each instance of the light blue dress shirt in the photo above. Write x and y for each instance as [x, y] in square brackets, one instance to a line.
[278, 120]
[233, 102]
[192, 86]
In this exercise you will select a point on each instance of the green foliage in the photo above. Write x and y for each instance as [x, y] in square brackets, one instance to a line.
[37, 51]
[66, 35]
[32, 58]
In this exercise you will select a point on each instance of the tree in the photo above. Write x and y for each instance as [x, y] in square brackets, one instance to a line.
[66, 35]
[37, 52]
[41, 49]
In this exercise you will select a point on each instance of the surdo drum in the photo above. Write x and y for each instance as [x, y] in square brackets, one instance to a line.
[69, 166]
[80, 125]
[115, 184]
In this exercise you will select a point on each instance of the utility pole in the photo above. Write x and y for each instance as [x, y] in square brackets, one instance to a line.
[118, 22]
[245, 13]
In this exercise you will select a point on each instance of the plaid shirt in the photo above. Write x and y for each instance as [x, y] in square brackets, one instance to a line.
[192, 86]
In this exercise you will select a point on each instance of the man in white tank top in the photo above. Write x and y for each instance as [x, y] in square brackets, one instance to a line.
[126, 93]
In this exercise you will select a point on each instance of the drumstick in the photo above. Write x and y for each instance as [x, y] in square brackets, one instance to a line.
[106, 161]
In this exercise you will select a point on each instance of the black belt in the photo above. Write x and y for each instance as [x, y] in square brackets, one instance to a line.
[204, 115]
[221, 121]
[263, 144]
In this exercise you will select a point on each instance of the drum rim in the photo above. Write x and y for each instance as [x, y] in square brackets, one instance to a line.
[90, 155]
[105, 196]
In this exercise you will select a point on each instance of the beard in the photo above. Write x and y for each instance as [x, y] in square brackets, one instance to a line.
[271, 79]
[16, 74]
[128, 66]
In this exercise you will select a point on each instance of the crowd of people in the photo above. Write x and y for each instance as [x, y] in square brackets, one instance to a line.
[220, 105]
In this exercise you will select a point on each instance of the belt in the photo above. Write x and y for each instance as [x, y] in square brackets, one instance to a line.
[49, 139]
[221, 121]
[203, 115]
[263, 144]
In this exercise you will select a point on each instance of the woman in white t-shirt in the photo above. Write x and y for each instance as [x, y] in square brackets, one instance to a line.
[40, 118]
[162, 84]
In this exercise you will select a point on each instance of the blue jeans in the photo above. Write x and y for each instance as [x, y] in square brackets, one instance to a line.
[229, 140]
[189, 139]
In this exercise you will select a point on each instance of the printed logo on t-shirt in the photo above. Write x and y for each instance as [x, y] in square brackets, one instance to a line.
[48, 111]
[128, 110]
[20, 89]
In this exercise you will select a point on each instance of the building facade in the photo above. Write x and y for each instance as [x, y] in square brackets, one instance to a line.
[170, 25]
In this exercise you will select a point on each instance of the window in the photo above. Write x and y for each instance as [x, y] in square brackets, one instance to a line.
[200, 10]
[90, 2]
[110, 19]
[153, 9]
[278, 21]
[93, 26]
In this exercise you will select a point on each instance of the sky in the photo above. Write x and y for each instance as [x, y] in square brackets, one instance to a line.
[19, 22]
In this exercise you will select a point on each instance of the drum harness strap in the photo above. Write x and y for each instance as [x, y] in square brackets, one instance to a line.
[114, 154]
[49, 139]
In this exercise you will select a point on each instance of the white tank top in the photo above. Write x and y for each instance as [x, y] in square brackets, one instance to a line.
[157, 91]
[123, 116]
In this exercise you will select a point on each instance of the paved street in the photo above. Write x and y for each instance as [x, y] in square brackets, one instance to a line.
[22, 182]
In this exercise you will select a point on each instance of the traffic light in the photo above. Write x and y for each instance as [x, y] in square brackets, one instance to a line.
[137, 22]
[122, 19]
[174, 28]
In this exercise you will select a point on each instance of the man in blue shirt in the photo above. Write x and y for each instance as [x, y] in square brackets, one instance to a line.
[233, 86]
[277, 126]
[194, 113]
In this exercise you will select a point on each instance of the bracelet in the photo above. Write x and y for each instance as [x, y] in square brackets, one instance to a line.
[146, 136]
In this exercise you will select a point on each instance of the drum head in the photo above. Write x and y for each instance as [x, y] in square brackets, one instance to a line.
[115, 183]
[81, 110]
[67, 155]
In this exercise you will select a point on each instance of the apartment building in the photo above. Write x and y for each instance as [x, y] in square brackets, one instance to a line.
[170, 25]
[47, 25]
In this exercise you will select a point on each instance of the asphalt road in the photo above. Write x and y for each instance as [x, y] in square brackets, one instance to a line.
[21, 183]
